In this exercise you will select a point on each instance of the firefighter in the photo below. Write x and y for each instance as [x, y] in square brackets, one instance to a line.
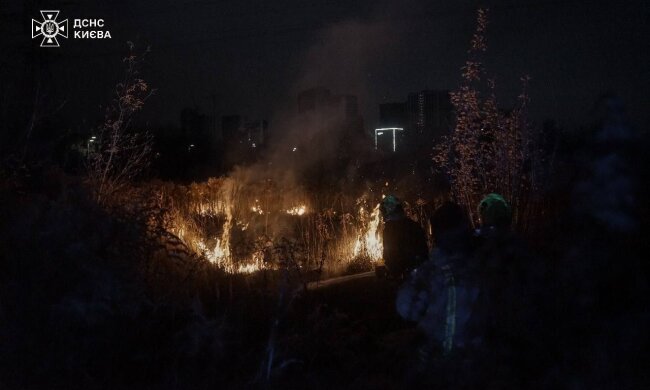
[439, 294]
[509, 278]
[405, 245]
[495, 215]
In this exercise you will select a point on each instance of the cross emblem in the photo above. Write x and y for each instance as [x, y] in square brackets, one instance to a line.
[49, 28]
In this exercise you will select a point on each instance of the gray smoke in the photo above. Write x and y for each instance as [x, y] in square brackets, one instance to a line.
[303, 142]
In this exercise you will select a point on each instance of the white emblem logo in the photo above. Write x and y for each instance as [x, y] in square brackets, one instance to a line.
[49, 28]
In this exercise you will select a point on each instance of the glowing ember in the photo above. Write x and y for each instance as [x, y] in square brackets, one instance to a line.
[298, 210]
[257, 208]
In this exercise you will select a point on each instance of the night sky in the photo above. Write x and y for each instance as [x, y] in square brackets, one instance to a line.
[254, 56]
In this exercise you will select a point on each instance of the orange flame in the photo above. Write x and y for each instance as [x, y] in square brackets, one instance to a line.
[297, 210]
[369, 242]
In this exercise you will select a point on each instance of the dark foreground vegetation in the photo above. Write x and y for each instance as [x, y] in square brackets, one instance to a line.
[98, 297]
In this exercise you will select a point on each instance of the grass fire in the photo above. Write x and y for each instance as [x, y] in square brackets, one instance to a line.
[324, 195]
[238, 228]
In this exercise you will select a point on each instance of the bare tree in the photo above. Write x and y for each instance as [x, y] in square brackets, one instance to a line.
[488, 146]
[118, 154]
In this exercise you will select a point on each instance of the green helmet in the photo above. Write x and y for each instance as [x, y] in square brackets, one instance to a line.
[389, 205]
[495, 211]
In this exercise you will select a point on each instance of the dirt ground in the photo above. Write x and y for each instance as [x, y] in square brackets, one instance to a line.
[346, 335]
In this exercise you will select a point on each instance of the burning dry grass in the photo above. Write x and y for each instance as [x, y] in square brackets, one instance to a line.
[246, 227]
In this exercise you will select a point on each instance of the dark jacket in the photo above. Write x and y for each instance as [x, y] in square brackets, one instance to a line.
[405, 245]
[440, 296]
